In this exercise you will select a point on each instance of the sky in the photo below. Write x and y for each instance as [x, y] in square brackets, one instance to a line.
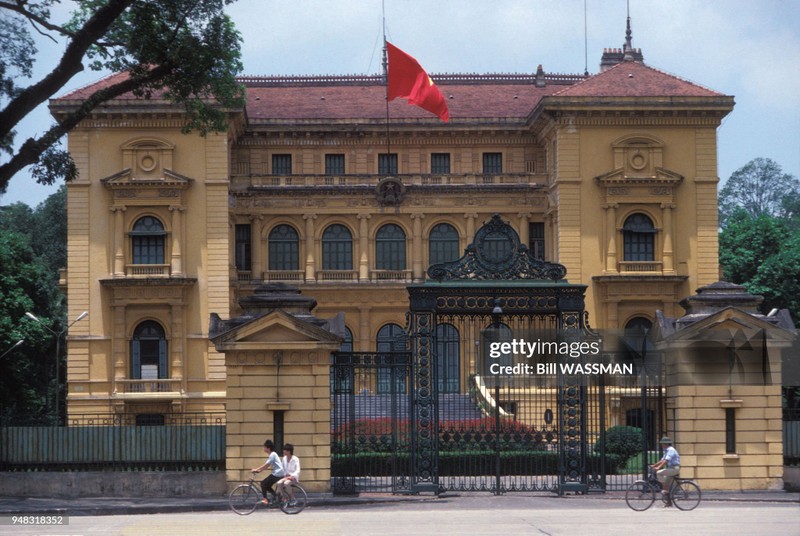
[745, 48]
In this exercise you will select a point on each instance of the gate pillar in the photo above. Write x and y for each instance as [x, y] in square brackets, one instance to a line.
[423, 404]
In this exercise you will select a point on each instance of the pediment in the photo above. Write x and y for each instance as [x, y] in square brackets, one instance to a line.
[621, 177]
[730, 325]
[276, 329]
[126, 179]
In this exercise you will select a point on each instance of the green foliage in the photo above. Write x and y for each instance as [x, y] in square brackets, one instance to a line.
[32, 250]
[623, 441]
[760, 188]
[187, 52]
[759, 246]
[455, 463]
[747, 242]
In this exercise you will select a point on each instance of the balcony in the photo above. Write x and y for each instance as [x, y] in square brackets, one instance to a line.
[284, 275]
[337, 275]
[242, 180]
[147, 270]
[148, 389]
[391, 275]
[640, 267]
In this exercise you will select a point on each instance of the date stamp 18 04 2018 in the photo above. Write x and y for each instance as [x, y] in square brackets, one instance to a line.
[34, 519]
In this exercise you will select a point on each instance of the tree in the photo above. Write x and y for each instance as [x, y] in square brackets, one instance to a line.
[187, 51]
[33, 244]
[26, 373]
[763, 254]
[746, 242]
[760, 188]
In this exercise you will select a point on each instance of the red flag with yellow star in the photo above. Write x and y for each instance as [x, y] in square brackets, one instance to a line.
[408, 80]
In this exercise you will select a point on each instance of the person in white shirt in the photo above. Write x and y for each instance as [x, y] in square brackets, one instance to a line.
[291, 467]
[668, 467]
[273, 461]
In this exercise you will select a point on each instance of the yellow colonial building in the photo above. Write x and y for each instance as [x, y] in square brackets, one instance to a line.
[179, 247]
[613, 175]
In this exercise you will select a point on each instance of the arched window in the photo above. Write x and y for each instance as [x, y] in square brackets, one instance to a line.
[284, 248]
[149, 352]
[347, 343]
[391, 338]
[147, 241]
[447, 355]
[390, 248]
[442, 244]
[337, 248]
[639, 237]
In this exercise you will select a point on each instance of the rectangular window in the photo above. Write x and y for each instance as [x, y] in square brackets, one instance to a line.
[278, 429]
[492, 163]
[243, 247]
[440, 163]
[730, 430]
[537, 240]
[281, 164]
[387, 164]
[334, 164]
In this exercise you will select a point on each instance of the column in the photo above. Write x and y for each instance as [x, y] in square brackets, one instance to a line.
[364, 341]
[256, 223]
[119, 345]
[176, 263]
[363, 247]
[311, 263]
[611, 234]
[470, 216]
[177, 343]
[524, 228]
[668, 265]
[416, 248]
[119, 241]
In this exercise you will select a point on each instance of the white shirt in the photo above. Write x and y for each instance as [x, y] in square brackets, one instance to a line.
[292, 467]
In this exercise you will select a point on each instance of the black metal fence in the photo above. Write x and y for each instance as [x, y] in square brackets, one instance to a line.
[152, 442]
[791, 437]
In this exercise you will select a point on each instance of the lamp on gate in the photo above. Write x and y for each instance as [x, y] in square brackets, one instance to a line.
[58, 352]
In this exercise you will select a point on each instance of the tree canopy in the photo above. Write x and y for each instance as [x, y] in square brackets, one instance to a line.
[759, 246]
[32, 250]
[187, 49]
[760, 187]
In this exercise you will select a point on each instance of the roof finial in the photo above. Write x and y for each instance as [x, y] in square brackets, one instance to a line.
[627, 49]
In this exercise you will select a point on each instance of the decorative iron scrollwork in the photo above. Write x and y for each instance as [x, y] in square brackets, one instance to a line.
[497, 254]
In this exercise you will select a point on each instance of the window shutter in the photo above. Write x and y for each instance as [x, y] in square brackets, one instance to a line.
[136, 361]
[162, 359]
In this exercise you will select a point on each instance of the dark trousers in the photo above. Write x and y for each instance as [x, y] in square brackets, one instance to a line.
[266, 485]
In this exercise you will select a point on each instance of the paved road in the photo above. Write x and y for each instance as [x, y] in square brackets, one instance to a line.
[484, 514]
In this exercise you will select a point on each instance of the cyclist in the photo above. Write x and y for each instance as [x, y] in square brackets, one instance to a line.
[668, 467]
[291, 466]
[273, 461]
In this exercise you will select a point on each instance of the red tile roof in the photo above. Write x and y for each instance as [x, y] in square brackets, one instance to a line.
[508, 98]
[635, 79]
[472, 98]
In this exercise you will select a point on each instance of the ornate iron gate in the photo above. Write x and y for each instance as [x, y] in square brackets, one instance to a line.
[449, 423]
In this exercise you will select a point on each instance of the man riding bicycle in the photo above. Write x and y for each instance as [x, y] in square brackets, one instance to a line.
[668, 467]
[274, 461]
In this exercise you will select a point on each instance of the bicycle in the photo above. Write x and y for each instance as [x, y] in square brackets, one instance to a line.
[684, 493]
[245, 498]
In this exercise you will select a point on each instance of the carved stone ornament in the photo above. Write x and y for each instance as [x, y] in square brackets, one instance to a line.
[390, 192]
[497, 254]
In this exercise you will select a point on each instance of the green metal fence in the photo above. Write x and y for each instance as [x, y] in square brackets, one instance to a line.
[185, 444]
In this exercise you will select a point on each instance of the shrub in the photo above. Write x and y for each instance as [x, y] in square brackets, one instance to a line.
[623, 441]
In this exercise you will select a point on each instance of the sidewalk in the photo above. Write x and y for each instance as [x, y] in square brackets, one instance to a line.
[95, 506]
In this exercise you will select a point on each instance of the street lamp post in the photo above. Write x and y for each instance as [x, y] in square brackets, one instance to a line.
[9, 350]
[58, 352]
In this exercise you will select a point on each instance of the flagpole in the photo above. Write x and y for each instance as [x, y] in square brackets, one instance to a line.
[386, 87]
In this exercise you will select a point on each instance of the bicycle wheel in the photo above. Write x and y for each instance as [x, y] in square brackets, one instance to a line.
[243, 499]
[685, 495]
[640, 496]
[296, 505]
